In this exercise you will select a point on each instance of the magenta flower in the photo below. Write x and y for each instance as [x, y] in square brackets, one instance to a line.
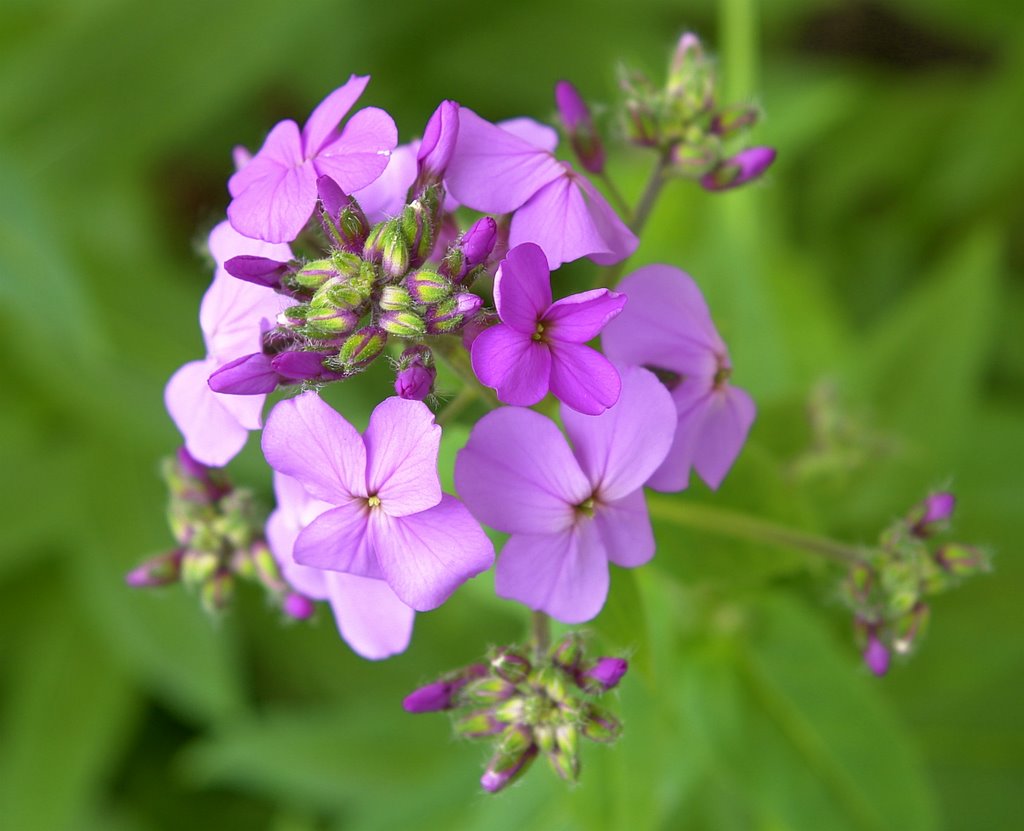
[370, 617]
[505, 169]
[737, 170]
[232, 316]
[539, 345]
[274, 194]
[666, 326]
[569, 511]
[389, 520]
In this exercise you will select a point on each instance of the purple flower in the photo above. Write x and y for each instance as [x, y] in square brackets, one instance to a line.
[389, 520]
[370, 617]
[539, 345]
[575, 115]
[666, 326]
[501, 169]
[274, 195]
[438, 143]
[569, 511]
[232, 316]
[604, 675]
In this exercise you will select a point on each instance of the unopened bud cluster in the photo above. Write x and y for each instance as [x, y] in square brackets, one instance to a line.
[684, 120]
[219, 535]
[528, 708]
[888, 590]
[372, 285]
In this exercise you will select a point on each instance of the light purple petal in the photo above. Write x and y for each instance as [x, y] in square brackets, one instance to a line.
[225, 242]
[726, 423]
[583, 378]
[328, 115]
[666, 323]
[282, 148]
[513, 364]
[212, 434]
[294, 509]
[402, 443]
[493, 170]
[625, 529]
[517, 474]
[338, 540]
[564, 574]
[522, 288]
[619, 240]
[621, 448]
[426, 556]
[248, 375]
[362, 151]
[532, 132]
[370, 617]
[438, 144]
[305, 438]
[385, 196]
[581, 317]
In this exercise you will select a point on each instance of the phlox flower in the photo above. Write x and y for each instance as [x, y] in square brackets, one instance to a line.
[501, 169]
[275, 193]
[539, 344]
[232, 316]
[667, 326]
[570, 511]
[388, 519]
[369, 615]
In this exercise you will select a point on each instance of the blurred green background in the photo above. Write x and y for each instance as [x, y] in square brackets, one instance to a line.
[874, 277]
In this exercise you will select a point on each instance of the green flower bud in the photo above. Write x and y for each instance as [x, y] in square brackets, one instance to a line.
[478, 724]
[395, 298]
[217, 592]
[962, 560]
[428, 287]
[361, 348]
[198, 567]
[405, 324]
[511, 665]
[488, 691]
[599, 725]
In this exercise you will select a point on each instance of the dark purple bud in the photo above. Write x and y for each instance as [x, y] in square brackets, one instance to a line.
[259, 270]
[438, 143]
[248, 375]
[430, 698]
[586, 141]
[604, 675]
[342, 219]
[514, 754]
[744, 167]
[159, 571]
[876, 656]
[415, 382]
[297, 606]
[479, 241]
[936, 509]
[300, 365]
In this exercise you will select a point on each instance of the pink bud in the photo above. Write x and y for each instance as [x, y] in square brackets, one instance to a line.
[744, 167]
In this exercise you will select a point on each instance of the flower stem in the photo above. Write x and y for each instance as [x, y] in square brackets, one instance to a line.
[462, 399]
[616, 196]
[540, 635]
[729, 523]
[449, 352]
[650, 194]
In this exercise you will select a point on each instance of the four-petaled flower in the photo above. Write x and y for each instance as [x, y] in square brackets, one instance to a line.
[666, 326]
[570, 512]
[389, 519]
[539, 344]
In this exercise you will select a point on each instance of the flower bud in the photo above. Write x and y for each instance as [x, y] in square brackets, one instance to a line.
[265, 567]
[161, 570]
[564, 758]
[730, 120]
[217, 592]
[448, 315]
[326, 324]
[415, 382]
[928, 517]
[876, 656]
[744, 167]
[691, 80]
[259, 270]
[641, 118]
[405, 324]
[342, 219]
[599, 725]
[552, 681]
[437, 145]
[297, 606]
[197, 567]
[586, 141]
[568, 652]
[361, 348]
[511, 665]
[418, 222]
[514, 754]
[961, 560]
[442, 694]
[247, 375]
[428, 287]
[395, 298]
[909, 627]
[478, 725]
[489, 690]
[604, 675]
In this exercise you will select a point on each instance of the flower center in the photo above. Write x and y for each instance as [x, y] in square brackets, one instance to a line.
[586, 507]
[538, 334]
[373, 501]
[723, 373]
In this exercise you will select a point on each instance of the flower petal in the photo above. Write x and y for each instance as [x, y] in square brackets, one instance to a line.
[532, 132]
[522, 288]
[360, 154]
[517, 474]
[385, 196]
[493, 170]
[625, 529]
[583, 378]
[307, 439]
[426, 556]
[513, 364]
[727, 421]
[338, 540]
[402, 442]
[283, 527]
[621, 448]
[618, 239]
[564, 574]
[370, 617]
[247, 375]
[282, 148]
[328, 114]
[212, 434]
[581, 317]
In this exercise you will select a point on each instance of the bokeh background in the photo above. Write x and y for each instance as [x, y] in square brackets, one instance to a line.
[872, 281]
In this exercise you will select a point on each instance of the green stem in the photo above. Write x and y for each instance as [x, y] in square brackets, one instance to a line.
[728, 523]
[462, 399]
[650, 194]
[449, 352]
[540, 635]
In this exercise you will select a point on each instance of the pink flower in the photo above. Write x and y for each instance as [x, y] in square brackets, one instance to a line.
[569, 511]
[539, 345]
[509, 168]
[233, 315]
[666, 326]
[275, 193]
[389, 520]
[370, 617]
